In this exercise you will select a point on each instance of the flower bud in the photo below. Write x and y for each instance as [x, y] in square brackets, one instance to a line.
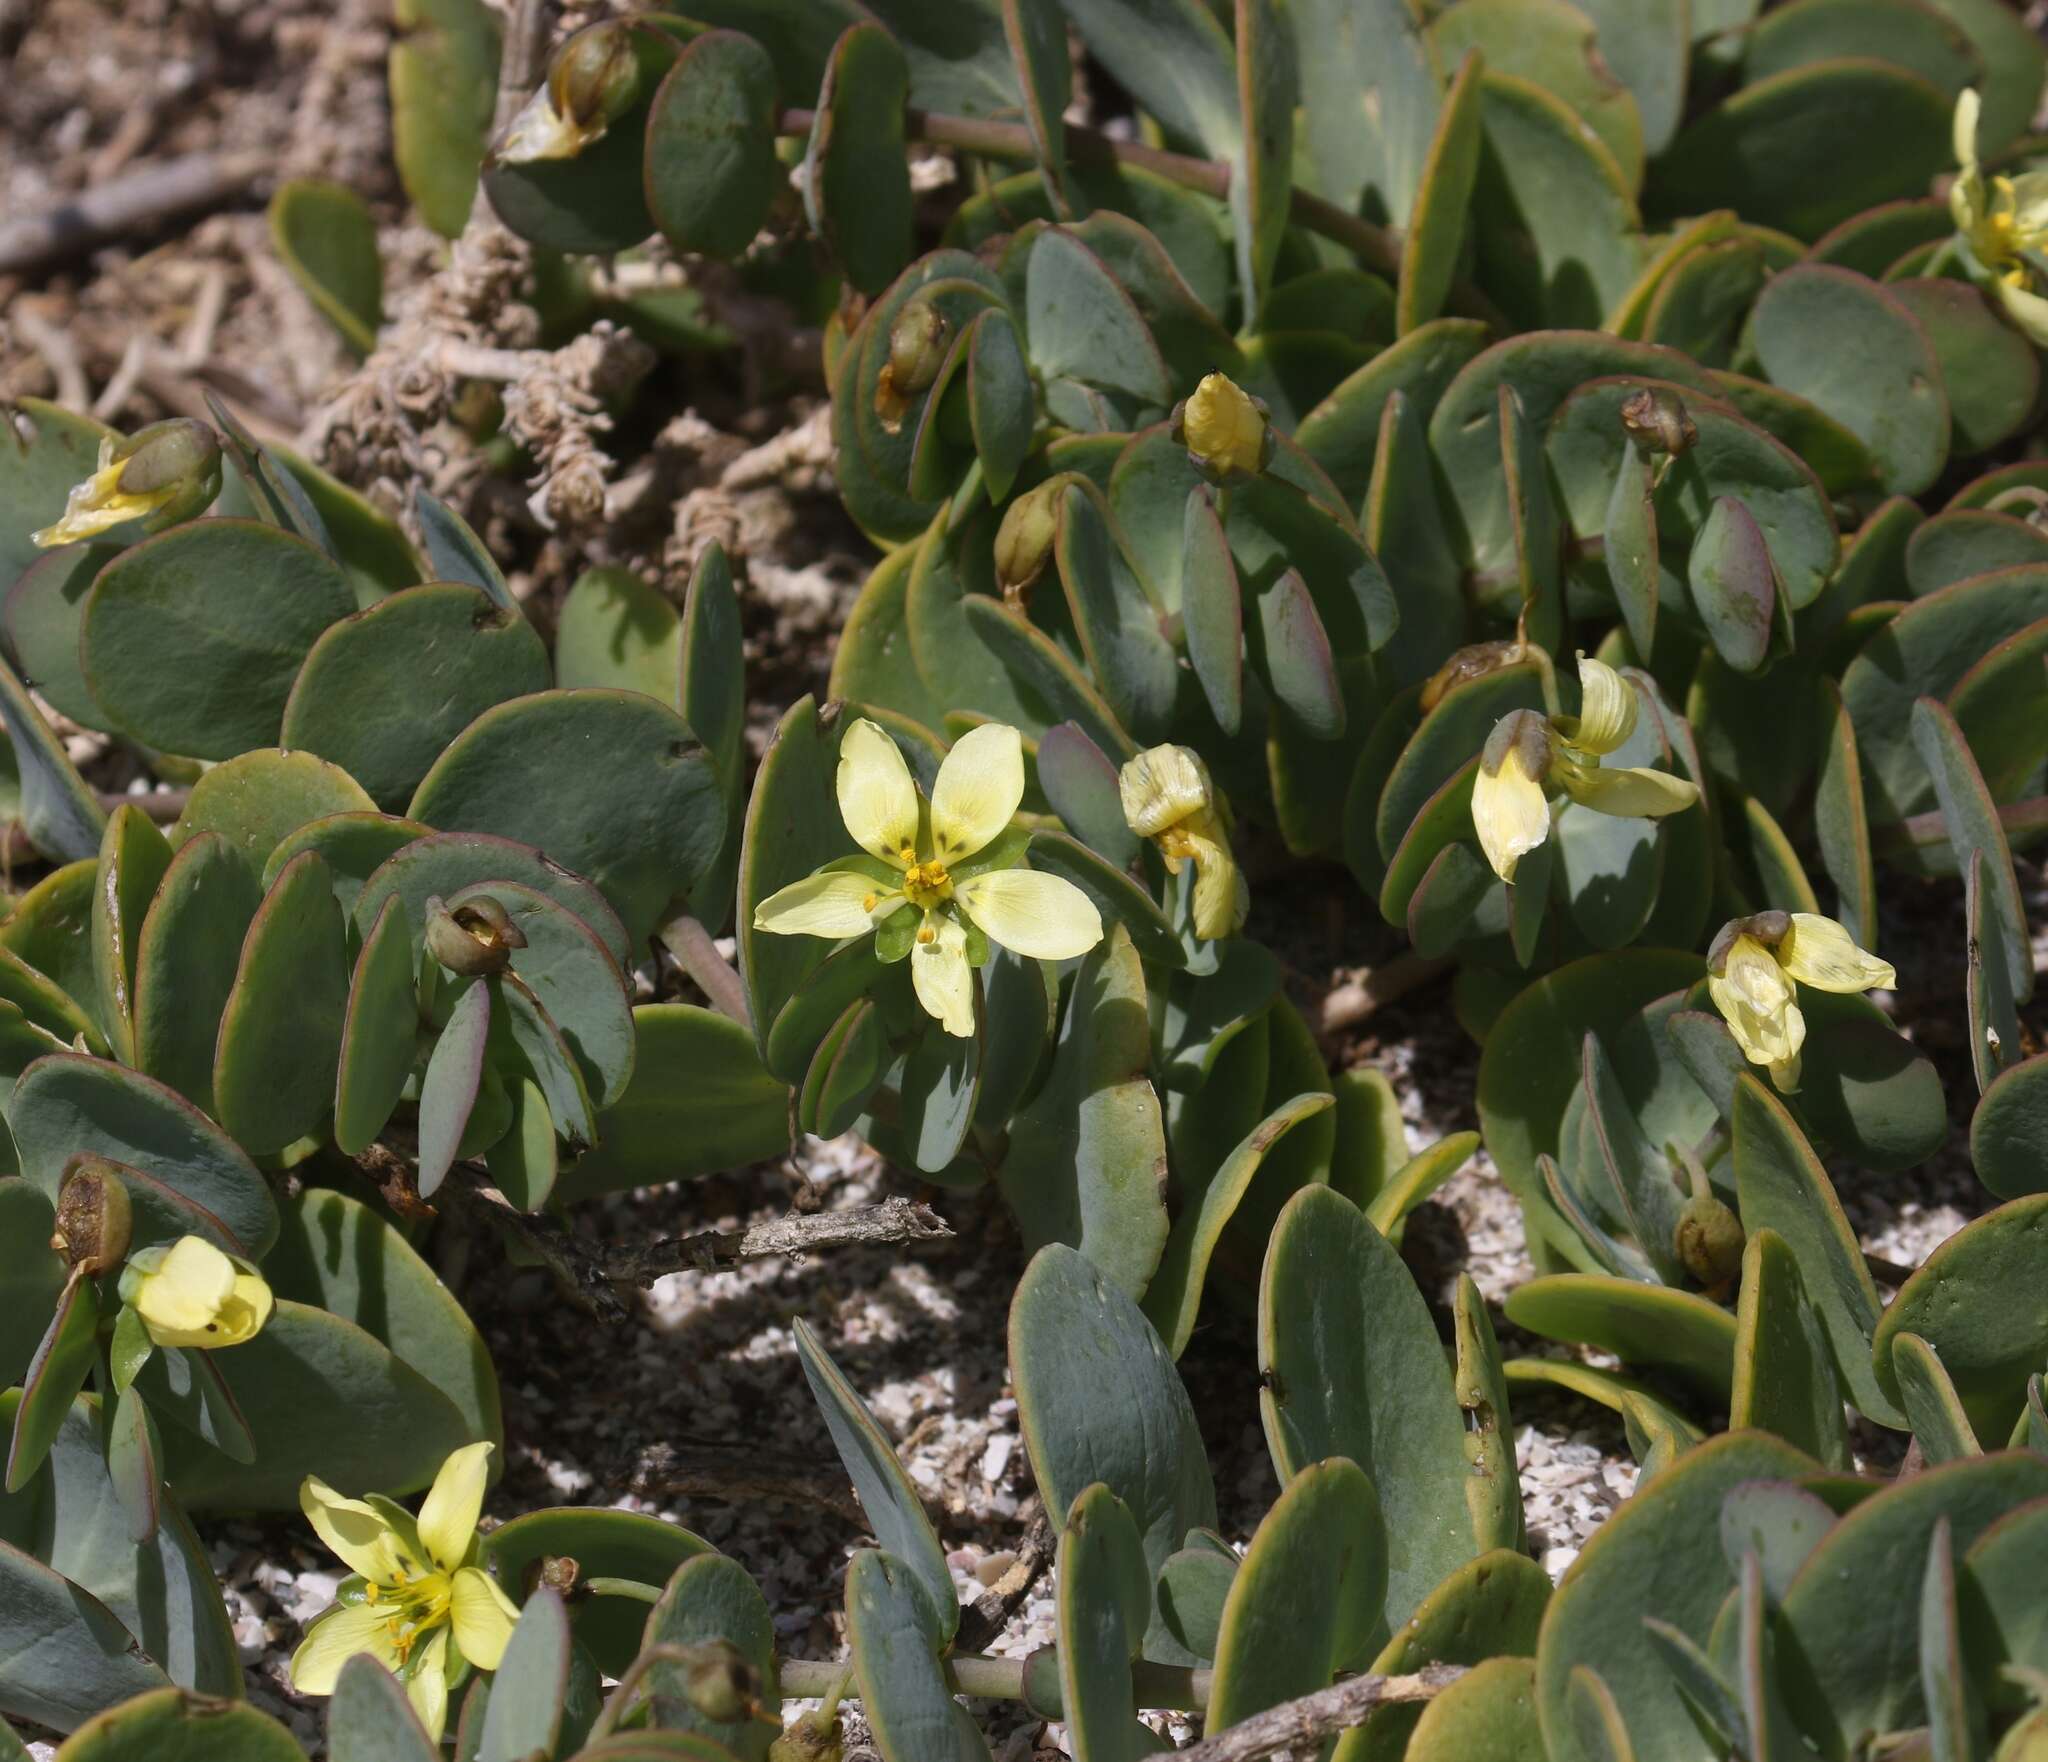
[159, 475]
[720, 1683]
[474, 939]
[191, 1294]
[1224, 430]
[561, 1573]
[1708, 1240]
[1656, 419]
[1472, 662]
[814, 1737]
[593, 80]
[917, 350]
[93, 1215]
[595, 77]
[1024, 540]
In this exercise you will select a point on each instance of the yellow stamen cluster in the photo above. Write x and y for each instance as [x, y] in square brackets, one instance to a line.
[927, 884]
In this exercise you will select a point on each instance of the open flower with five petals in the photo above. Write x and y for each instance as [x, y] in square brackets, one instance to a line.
[1530, 757]
[418, 1602]
[2004, 226]
[939, 881]
[1751, 969]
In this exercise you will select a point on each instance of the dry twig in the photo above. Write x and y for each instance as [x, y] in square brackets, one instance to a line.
[1300, 1726]
[984, 1620]
[790, 1236]
[127, 204]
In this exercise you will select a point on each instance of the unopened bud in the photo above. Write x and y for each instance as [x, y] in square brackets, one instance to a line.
[595, 77]
[93, 1215]
[917, 350]
[1656, 419]
[1473, 662]
[561, 1573]
[1708, 1240]
[1225, 431]
[814, 1737]
[720, 1683]
[474, 939]
[1024, 540]
[159, 475]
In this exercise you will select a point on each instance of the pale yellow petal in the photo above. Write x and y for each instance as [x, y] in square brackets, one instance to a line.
[1510, 813]
[2027, 310]
[1817, 951]
[1756, 1000]
[448, 1517]
[1969, 106]
[1041, 917]
[1161, 787]
[97, 503]
[186, 1290]
[356, 1534]
[978, 789]
[344, 1632]
[540, 131]
[1629, 792]
[1607, 708]
[1222, 896]
[939, 971]
[242, 1316]
[833, 904]
[1785, 1074]
[877, 799]
[1224, 428]
[2030, 206]
[427, 1687]
[482, 1615]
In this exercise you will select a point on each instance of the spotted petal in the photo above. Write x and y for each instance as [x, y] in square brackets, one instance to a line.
[978, 789]
[1041, 917]
[877, 799]
[939, 971]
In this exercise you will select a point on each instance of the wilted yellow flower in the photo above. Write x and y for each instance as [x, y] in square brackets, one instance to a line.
[1750, 973]
[1530, 756]
[158, 475]
[191, 1294]
[1226, 432]
[2001, 220]
[918, 862]
[592, 82]
[425, 1604]
[1168, 798]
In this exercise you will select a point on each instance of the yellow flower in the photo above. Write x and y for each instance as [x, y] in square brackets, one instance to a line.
[2001, 220]
[160, 475]
[191, 1294]
[1225, 430]
[1168, 798]
[1750, 972]
[1529, 757]
[938, 862]
[423, 1606]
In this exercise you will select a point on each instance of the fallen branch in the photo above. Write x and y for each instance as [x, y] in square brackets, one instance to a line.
[1300, 1726]
[797, 1234]
[127, 204]
[984, 1620]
